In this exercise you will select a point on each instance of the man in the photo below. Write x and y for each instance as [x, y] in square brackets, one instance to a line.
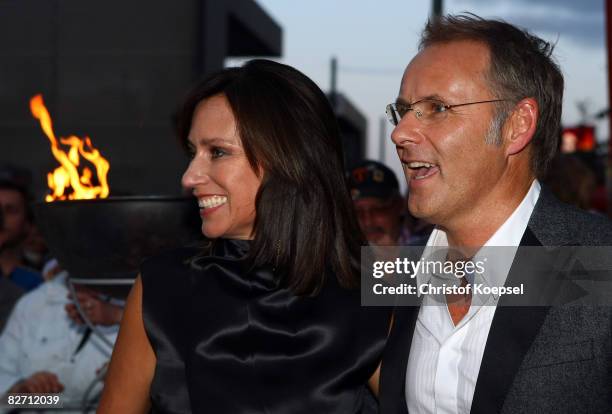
[477, 123]
[17, 221]
[45, 347]
[377, 201]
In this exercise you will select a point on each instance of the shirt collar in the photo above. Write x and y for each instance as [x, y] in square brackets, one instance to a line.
[508, 234]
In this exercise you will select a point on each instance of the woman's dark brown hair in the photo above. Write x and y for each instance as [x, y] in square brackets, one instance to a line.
[305, 225]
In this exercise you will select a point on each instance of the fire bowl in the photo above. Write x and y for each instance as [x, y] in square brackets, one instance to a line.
[102, 242]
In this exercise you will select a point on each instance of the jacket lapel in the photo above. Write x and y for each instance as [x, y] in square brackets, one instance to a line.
[513, 330]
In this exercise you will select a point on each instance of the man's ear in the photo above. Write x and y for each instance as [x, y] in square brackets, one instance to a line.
[521, 125]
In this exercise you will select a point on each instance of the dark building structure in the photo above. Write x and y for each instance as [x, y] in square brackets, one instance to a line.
[353, 127]
[351, 122]
[115, 71]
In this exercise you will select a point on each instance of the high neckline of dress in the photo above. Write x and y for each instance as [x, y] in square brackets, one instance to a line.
[236, 248]
[231, 255]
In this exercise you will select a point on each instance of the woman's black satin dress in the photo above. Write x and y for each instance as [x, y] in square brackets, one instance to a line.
[232, 341]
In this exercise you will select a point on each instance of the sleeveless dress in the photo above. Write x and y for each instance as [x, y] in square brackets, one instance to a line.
[229, 340]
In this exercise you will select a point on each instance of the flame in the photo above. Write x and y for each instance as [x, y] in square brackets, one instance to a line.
[67, 175]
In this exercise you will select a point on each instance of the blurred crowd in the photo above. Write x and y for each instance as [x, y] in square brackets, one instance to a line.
[53, 338]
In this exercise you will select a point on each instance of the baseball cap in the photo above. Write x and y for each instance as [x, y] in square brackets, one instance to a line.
[372, 179]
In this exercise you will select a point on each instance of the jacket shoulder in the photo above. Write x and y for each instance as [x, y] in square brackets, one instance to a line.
[555, 223]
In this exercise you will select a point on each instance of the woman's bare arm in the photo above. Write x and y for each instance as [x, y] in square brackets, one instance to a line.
[374, 381]
[126, 387]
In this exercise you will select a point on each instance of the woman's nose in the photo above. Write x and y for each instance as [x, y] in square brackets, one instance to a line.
[196, 174]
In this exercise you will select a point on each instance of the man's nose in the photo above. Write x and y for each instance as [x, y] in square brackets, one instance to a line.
[407, 131]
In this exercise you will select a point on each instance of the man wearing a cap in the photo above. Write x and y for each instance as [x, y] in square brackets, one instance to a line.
[378, 203]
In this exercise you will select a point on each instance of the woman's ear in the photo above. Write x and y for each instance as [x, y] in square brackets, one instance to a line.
[521, 125]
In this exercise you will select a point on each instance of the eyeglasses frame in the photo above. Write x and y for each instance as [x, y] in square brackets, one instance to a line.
[390, 107]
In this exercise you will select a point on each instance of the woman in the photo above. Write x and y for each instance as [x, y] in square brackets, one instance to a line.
[266, 317]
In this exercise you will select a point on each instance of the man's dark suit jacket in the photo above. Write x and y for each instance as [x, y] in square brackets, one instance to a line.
[555, 359]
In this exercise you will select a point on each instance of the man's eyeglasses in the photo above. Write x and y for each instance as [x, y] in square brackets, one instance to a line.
[428, 111]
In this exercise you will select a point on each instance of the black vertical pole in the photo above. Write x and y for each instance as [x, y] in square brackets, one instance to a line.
[333, 81]
[382, 143]
[436, 9]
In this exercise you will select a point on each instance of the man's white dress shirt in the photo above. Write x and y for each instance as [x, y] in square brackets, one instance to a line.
[39, 336]
[445, 359]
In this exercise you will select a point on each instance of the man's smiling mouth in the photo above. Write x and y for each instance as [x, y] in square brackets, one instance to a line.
[419, 170]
